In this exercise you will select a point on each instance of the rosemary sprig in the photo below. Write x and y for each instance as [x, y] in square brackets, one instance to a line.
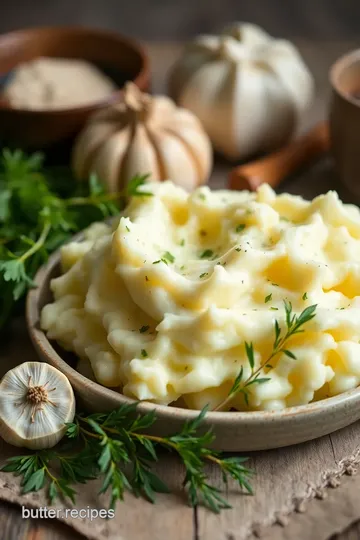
[114, 447]
[294, 325]
[39, 211]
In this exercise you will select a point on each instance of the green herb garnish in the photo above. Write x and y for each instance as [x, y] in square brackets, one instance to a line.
[294, 326]
[161, 260]
[203, 274]
[168, 257]
[132, 189]
[144, 353]
[116, 448]
[144, 329]
[240, 228]
[268, 298]
[305, 296]
[39, 211]
[207, 254]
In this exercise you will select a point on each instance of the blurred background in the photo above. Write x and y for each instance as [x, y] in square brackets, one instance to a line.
[180, 19]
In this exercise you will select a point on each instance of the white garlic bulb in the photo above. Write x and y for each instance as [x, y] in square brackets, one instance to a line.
[247, 89]
[36, 401]
[143, 135]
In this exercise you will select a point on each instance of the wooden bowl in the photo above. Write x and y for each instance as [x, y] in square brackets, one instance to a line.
[30, 129]
[344, 119]
[235, 431]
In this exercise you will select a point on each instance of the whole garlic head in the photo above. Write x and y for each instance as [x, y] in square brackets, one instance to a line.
[143, 135]
[36, 401]
[247, 88]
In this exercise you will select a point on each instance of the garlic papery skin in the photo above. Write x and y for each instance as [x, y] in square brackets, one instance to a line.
[36, 401]
[248, 89]
[143, 134]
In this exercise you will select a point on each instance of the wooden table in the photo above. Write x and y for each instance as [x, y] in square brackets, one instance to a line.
[191, 524]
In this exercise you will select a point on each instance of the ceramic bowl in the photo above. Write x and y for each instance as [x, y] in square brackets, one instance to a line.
[345, 120]
[235, 431]
[119, 57]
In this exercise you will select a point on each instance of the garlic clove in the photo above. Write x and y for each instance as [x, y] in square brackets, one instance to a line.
[162, 108]
[183, 71]
[283, 58]
[169, 149]
[87, 144]
[198, 145]
[141, 156]
[247, 33]
[108, 161]
[222, 116]
[36, 401]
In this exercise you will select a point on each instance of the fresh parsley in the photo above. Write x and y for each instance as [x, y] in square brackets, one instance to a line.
[206, 254]
[40, 210]
[144, 329]
[168, 257]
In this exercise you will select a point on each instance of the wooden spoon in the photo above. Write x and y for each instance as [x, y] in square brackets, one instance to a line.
[274, 168]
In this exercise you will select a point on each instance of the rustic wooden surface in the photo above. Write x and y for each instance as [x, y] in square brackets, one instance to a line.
[171, 519]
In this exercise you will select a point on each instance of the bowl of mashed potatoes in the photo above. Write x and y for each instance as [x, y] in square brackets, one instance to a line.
[187, 294]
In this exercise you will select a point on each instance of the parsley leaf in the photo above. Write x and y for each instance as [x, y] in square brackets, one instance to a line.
[168, 256]
[35, 218]
[207, 254]
[133, 187]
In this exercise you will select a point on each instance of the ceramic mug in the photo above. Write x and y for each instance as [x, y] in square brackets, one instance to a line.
[345, 120]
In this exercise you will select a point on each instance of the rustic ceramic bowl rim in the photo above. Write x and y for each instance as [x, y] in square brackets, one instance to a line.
[140, 79]
[340, 65]
[251, 417]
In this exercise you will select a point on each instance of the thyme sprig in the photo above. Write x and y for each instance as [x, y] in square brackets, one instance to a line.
[294, 325]
[116, 448]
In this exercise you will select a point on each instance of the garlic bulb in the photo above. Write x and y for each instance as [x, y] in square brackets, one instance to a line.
[247, 89]
[143, 135]
[36, 401]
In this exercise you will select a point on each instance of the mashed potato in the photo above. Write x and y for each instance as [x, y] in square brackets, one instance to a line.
[163, 305]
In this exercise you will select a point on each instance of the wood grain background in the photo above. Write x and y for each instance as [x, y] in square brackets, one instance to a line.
[180, 19]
